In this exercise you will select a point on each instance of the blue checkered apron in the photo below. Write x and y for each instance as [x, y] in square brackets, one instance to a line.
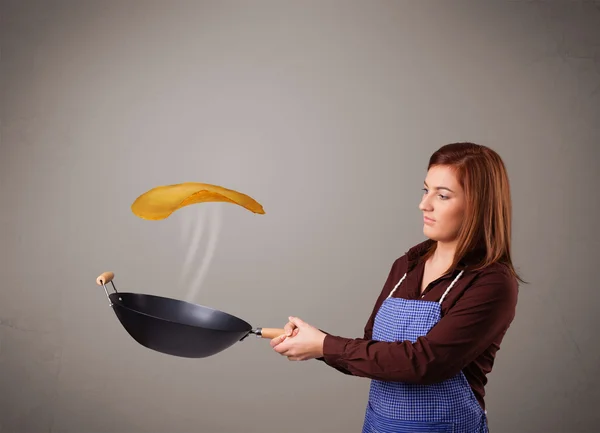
[398, 407]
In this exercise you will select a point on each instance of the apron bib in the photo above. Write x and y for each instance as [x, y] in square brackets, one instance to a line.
[397, 407]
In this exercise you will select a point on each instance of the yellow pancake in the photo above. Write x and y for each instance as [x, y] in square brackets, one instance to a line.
[160, 202]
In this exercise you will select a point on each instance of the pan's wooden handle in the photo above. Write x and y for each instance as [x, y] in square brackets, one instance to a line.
[105, 278]
[271, 333]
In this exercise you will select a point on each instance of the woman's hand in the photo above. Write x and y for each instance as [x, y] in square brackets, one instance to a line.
[300, 342]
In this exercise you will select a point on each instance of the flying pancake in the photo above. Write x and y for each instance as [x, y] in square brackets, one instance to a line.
[160, 202]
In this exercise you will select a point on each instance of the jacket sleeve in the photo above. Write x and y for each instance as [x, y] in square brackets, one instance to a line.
[482, 314]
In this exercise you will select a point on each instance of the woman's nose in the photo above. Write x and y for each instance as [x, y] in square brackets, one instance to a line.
[425, 205]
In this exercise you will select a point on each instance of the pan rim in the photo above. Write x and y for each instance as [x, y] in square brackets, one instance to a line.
[119, 304]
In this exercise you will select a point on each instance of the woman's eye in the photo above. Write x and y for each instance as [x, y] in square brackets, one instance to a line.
[443, 197]
[425, 190]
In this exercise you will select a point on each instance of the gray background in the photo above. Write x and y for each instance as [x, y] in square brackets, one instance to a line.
[324, 111]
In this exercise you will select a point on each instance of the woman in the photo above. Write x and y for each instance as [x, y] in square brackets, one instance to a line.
[443, 311]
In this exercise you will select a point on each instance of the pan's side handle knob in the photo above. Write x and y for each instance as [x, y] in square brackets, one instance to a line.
[105, 278]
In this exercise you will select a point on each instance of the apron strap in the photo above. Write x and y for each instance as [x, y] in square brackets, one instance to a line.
[398, 284]
[450, 286]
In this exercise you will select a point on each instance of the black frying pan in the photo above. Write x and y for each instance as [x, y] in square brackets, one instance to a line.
[176, 327]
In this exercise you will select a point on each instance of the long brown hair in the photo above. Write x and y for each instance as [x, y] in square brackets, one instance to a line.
[487, 223]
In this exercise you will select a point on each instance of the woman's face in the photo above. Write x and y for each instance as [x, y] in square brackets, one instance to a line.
[443, 204]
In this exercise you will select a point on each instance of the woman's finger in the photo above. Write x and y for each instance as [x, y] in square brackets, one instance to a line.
[289, 328]
[278, 340]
